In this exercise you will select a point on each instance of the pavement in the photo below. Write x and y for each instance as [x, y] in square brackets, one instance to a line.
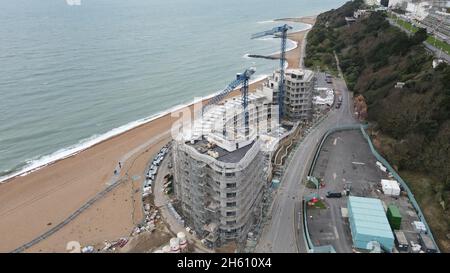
[283, 232]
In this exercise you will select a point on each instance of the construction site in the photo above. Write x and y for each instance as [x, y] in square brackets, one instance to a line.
[209, 188]
[223, 166]
[223, 163]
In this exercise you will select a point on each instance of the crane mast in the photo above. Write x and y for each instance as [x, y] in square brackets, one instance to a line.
[282, 31]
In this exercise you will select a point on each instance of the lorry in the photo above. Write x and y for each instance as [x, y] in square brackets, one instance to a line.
[427, 244]
[400, 241]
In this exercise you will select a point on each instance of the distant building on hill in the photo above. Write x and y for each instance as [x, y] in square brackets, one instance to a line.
[361, 13]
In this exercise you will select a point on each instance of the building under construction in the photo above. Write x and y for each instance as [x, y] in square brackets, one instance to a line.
[221, 169]
[297, 101]
[222, 163]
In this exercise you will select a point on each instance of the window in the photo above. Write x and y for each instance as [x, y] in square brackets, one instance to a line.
[230, 174]
[231, 213]
[231, 204]
[231, 185]
[231, 194]
[231, 222]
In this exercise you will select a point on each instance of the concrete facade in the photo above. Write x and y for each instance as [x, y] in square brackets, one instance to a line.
[298, 93]
[220, 200]
[221, 173]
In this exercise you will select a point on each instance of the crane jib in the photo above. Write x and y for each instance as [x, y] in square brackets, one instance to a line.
[241, 78]
[283, 31]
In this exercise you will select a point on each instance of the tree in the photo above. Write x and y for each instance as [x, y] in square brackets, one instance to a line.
[420, 36]
[384, 3]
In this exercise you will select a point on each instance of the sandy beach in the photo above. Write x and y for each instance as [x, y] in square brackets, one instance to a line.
[30, 205]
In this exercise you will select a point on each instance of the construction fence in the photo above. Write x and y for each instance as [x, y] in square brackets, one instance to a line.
[362, 127]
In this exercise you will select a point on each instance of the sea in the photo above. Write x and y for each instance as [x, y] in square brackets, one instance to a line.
[76, 72]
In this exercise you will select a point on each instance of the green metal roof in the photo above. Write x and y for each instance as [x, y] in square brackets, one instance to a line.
[394, 211]
[369, 217]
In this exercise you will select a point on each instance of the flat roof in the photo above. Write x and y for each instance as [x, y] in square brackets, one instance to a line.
[369, 217]
[394, 211]
[224, 155]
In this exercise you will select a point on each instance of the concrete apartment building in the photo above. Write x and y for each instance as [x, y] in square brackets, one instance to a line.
[221, 171]
[298, 93]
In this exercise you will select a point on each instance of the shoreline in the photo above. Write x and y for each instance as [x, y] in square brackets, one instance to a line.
[75, 149]
[46, 194]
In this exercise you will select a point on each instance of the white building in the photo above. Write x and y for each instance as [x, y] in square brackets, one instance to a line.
[299, 85]
[418, 11]
[221, 171]
[390, 187]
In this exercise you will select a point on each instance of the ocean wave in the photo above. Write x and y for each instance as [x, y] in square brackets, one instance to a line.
[33, 165]
[290, 45]
[266, 22]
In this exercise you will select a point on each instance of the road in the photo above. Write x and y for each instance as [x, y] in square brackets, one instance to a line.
[436, 51]
[284, 232]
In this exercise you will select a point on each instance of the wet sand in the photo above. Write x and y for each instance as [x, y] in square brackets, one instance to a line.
[30, 205]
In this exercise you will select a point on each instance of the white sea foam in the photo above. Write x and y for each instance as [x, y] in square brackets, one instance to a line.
[266, 22]
[290, 45]
[36, 164]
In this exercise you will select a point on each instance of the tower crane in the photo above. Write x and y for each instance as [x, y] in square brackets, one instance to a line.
[282, 31]
[241, 78]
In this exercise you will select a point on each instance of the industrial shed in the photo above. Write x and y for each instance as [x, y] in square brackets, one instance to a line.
[368, 222]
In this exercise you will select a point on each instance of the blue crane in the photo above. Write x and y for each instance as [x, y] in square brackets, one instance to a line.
[277, 31]
[241, 78]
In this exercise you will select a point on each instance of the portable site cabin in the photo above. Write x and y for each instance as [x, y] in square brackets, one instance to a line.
[394, 217]
[390, 187]
[368, 222]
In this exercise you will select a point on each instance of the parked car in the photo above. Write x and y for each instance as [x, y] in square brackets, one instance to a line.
[334, 194]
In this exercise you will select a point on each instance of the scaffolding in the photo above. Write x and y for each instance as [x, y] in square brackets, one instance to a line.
[221, 180]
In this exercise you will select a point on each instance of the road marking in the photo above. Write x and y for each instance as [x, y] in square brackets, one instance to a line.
[336, 233]
[359, 163]
[334, 176]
